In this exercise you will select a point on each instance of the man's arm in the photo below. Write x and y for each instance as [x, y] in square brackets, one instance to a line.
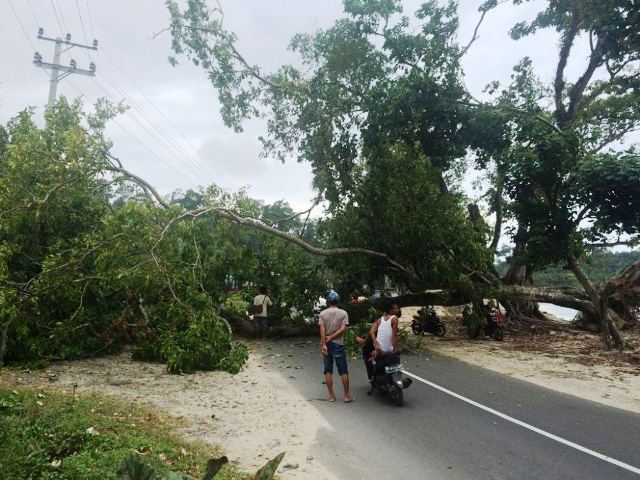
[374, 332]
[323, 338]
[340, 331]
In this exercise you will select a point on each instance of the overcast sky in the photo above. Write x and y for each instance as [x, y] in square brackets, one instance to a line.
[176, 108]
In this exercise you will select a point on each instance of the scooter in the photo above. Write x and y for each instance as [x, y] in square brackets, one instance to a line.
[388, 378]
[426, 321]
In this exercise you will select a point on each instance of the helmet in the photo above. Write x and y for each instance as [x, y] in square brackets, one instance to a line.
[333, 297]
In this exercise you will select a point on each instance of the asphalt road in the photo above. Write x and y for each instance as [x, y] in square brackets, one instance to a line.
[438, 436]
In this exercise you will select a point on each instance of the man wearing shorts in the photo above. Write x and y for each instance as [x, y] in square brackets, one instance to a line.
[333, 325]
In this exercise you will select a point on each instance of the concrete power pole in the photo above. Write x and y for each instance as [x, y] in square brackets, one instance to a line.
[58, 72]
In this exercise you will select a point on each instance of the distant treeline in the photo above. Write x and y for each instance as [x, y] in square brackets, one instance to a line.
[599, 266]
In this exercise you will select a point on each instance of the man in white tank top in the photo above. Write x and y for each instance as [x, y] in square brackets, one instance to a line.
[384, 331]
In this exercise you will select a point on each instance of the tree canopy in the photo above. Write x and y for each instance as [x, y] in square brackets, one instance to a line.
[89, 263]
[378, 106]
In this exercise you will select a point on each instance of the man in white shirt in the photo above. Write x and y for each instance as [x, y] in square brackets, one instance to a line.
[260, 305]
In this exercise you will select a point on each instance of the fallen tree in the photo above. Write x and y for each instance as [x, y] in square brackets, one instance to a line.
[623, 287]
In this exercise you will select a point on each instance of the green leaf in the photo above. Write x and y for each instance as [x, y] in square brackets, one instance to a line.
[269, 470]
[214, 466]
[132, 468]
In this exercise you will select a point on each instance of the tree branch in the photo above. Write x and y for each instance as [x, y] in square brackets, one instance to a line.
[559, 83]
[497, 229]
[511, 108]
[298, 214]
[577, 90]
[475, 31]
[611, 244]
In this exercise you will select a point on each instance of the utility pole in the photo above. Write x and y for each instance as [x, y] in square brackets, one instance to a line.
[58, 72]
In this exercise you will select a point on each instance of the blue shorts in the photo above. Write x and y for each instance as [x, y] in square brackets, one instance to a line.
[335, 352]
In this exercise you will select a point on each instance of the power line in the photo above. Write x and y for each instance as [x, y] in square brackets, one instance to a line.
[93, 34]
[19, 84]
[64, 24]
[57, 18]
[137, 140]
[162, 133]
[165, 141]
[24, 30]
[33, 12]
[186, 140]
[146, 147]
[207, 175]
[154, 137]
[84, 33]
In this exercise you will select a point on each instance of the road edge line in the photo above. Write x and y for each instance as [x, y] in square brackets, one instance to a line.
[522, 424]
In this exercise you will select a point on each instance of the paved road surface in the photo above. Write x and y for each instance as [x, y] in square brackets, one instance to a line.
[437, 436]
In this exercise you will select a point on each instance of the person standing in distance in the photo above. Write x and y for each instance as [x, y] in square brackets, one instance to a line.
[333, 325]
[260, 304]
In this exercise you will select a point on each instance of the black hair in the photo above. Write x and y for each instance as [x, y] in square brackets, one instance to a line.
[388, 304]
[263, 290]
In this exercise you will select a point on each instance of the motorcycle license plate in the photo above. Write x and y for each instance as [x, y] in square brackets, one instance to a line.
[393, 368]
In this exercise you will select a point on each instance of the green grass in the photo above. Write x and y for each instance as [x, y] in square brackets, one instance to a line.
[43, 435]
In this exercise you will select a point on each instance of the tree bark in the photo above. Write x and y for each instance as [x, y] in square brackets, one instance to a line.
[601, 304]
[4, 337]
[520, 274]
[497, 229]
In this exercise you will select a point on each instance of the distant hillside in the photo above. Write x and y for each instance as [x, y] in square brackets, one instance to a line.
[599, 266]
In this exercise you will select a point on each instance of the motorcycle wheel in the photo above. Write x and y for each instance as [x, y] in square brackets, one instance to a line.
[416, 329]
[498, 334]
[440, 330]
[399, 397]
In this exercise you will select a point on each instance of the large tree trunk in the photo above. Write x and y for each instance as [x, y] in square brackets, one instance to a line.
[245, 327]
[601, 305]
[520, 274]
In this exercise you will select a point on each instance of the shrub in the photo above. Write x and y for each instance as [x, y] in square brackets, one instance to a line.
[205, 344]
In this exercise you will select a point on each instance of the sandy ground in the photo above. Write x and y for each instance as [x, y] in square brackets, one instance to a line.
[253, 416]
[563, 360]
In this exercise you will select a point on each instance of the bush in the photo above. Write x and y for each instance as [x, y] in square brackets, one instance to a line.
[205, 344]
[473, 321]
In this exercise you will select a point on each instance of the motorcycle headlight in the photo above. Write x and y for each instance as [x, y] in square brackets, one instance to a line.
[399, 382]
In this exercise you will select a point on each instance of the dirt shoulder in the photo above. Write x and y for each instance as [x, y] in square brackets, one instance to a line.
[252, 416]
[554, 357]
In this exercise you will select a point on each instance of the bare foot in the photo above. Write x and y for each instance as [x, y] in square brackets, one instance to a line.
[332, 399]
[348, 399]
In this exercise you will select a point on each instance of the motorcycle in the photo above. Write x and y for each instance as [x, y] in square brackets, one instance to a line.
[427, 321]
[389, 379]
[495, 327]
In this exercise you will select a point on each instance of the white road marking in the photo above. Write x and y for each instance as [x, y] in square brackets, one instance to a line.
[537, 430]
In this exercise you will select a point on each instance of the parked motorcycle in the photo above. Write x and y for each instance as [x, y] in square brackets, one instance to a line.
[426, 321]
[388, 378]
[495, 326]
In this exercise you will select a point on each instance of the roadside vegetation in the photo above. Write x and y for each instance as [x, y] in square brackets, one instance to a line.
[52, 435]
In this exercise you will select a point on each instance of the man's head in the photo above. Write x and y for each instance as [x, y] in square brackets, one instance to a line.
[333, 298]
[391, 307]
[263, 290]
